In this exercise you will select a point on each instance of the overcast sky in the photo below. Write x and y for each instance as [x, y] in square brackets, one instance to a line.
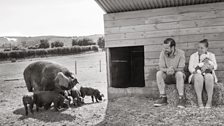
[50, 17]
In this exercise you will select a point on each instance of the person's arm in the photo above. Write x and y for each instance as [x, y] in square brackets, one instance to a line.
[162, 65]
[181, 64]
[214, 63]
[191, 64]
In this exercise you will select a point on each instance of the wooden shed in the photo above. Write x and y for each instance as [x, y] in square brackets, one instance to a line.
[136, 29]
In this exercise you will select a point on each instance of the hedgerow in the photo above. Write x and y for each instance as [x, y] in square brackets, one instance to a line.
[44, 52]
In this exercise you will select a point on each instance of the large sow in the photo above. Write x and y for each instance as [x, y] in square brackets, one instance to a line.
[48, 76]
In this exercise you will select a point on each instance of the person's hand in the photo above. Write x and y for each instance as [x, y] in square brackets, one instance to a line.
[170, 71]
[195, 72]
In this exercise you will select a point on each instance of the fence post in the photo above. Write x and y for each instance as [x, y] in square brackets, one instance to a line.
[75, 67]
[100, 65]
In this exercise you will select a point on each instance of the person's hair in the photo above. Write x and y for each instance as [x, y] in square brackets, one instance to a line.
[170, 41]
[205, 42]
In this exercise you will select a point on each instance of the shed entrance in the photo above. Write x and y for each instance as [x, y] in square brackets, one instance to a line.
[127, 67]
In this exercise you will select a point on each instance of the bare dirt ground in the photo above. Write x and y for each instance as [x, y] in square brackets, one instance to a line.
[139, 111]
[124, 111]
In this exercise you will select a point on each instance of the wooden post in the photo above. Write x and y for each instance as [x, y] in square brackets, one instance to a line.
[108, 63]
[100, 65]
[75, 67]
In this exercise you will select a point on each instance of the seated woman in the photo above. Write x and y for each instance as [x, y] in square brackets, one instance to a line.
[199, 79]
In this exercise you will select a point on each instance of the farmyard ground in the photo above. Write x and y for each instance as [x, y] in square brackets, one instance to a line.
[12, 88]
[122, 111]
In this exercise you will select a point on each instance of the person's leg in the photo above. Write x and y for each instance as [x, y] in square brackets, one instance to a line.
[160, 77]
[180, 82]
[198, 80]
[209, 86]
[179, 76]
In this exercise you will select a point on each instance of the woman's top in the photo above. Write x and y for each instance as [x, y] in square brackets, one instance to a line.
[195, 60]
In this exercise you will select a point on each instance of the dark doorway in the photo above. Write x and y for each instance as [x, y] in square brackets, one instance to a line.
[127, 67]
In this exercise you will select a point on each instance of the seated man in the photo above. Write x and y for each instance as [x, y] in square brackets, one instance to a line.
[171, 66]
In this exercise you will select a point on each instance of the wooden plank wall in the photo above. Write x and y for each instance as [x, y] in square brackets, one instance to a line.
[187, 25]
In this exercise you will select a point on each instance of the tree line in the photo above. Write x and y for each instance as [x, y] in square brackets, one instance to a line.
[75, 42]
[57, 48]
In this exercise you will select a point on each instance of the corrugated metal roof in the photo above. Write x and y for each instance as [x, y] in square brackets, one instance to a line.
[114, 6]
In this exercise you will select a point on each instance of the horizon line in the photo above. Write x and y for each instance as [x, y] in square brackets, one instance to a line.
[50, 35]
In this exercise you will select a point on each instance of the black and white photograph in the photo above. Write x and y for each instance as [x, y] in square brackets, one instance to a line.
[112, 63]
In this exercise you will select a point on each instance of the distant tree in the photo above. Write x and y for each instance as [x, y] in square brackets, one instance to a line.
[101, 42]
[74, 42]
[36, 46]
[7, 49]
[83, 42]
[86, 41]
[44, 44]
[24, 43]
[57, 44]
[15, 48]
[52, 45]
[95, 48]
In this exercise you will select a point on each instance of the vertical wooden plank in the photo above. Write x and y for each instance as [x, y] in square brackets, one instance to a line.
[108, 67]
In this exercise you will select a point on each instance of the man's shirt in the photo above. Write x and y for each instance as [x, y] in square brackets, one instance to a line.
[176, 60]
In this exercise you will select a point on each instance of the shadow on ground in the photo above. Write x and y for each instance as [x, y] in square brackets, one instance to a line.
[126, 111]
[45, 115]
[49, 115]
[112, 114]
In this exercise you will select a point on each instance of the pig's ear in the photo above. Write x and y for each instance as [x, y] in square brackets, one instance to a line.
[75, 81]
[102, 95]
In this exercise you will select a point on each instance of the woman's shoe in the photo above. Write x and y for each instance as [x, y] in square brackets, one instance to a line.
[207, 107]
[201, 106]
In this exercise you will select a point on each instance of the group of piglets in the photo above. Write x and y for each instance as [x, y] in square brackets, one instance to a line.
[74, 96]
